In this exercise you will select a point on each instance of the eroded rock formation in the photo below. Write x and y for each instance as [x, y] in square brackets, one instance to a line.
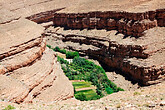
[29, 71]
[142, 58]
[125, 22]
[130, 41]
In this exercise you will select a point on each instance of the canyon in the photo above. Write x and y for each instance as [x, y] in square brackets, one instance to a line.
[128, 37]
[121, 40]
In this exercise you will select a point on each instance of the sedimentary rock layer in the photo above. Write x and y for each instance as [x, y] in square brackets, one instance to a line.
[125, 22]
[43, 16]
[29, 73]
[141, 58]
[33, 83]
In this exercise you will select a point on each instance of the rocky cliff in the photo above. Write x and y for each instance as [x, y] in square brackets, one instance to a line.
[142, 58]
[130, 42]
[128, 23]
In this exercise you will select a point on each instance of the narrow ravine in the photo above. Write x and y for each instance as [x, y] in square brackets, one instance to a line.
[89, 80]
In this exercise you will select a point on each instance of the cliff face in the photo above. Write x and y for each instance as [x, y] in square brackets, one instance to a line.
[135, 51]
[131, 42]
[29, 71]
[133, 24]
[142, 58]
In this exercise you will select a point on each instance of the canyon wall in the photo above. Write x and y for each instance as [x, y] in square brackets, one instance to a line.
[131, 42]
[141, 59]
[128, 23]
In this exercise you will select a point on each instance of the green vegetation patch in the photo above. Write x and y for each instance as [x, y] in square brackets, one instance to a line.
[83, 69]
[86, 95]
[9, 107]
[69, 54]
[72, 54]
[79, 85]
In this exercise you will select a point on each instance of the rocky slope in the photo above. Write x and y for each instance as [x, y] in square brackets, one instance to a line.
[146, 98]
[29, 71]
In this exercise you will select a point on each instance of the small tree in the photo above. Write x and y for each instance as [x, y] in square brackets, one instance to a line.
[56, 49]
[48, 46]
[72, 54]
[81, 96]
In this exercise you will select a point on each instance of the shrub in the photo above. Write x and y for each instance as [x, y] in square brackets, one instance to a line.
[137, 93]
[74, 89]
[69, 75]
[120, 89]
[48, 46]
[109, 90]
[81, 96]
[99, 92]
[56, 49]
[61, 60]
[63, 51]
[72, 54]
[9, 107]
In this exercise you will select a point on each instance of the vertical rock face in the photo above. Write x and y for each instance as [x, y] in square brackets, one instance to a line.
[161, 17]
[29, 71]
[125, 22]
[132, 42]
[142, 58]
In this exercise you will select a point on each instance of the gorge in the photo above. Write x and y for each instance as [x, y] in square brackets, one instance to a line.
[126, 37]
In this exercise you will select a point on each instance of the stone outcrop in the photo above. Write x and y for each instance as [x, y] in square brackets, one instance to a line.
[141, 58]
[29, 72]
[44, 18]
[128, 23]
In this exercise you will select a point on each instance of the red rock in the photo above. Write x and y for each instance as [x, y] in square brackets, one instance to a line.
[127, 23]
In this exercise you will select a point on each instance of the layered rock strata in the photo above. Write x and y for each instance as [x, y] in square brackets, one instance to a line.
[128, 23]
[44, 18]
[141, 58]
[29, 71]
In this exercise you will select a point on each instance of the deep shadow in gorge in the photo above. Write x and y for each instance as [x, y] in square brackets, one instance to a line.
[117, 71]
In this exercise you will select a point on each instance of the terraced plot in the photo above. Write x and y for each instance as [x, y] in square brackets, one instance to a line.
[86, 90]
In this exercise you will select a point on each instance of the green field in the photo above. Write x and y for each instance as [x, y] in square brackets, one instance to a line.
[79, 85]
[89, 94]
